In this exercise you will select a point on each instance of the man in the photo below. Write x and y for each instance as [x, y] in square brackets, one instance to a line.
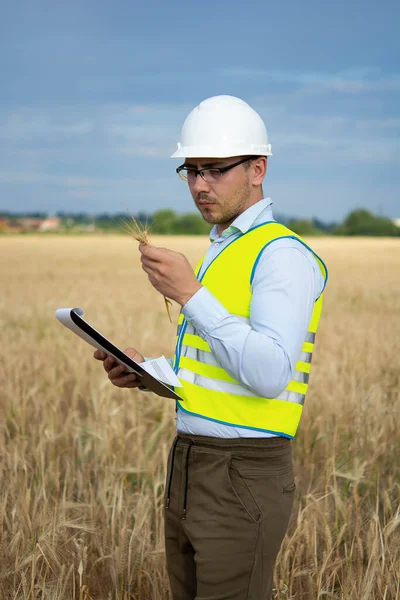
[245, 340]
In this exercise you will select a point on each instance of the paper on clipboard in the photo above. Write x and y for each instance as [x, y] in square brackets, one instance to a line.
[160, 369]
[154, 374]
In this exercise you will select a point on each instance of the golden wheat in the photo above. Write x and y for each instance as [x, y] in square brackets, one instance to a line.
[83, 463]
[140, 233]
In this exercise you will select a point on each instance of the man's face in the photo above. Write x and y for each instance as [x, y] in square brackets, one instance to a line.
[220, 202]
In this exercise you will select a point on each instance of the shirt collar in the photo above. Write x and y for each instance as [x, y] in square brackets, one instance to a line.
[245, 220]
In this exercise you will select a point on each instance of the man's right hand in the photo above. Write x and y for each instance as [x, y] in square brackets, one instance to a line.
[116, 372]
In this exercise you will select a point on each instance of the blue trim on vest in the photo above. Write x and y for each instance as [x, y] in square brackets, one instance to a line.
[178, 347]
[282, 237]
[184, 323]
[235, 240]
[264, 223]
[218, 255]
[279, 433]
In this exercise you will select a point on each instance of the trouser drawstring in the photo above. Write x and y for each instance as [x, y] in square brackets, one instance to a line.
[169, 484]
[176, 440]
[191, 443]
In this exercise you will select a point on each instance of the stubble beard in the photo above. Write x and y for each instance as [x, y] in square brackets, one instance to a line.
[230, 212]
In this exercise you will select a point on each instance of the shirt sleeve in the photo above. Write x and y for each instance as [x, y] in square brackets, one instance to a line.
[262, 355]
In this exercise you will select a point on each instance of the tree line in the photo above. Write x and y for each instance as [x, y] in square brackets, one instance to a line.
[358, 222]
[167, 222]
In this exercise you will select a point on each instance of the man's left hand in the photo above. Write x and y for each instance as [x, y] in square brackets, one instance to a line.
[170, 273]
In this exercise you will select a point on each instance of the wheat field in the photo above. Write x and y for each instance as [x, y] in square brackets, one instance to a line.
[82, 463]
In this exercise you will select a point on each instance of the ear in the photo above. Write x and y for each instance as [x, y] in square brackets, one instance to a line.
[259, 170]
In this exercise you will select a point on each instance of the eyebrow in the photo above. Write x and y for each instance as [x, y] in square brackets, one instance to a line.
[206, 165]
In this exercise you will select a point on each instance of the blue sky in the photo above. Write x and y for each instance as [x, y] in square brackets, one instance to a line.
[93, 95]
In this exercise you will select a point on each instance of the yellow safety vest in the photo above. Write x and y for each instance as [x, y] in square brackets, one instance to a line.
[211, 392]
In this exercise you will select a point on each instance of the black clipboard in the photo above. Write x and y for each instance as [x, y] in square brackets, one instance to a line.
[72, 319]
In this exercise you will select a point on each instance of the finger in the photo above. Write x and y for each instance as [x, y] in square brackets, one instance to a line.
[129, 380]
[149, 270]
[99, 355]
[125, 383]
[133, 353]
[153, 274]
[109, 363]
[134, 384]
[149, 262]
[117, 371]
[152, 252]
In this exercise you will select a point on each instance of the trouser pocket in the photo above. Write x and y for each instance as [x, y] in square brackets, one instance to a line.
[289, 489]
[243, 494]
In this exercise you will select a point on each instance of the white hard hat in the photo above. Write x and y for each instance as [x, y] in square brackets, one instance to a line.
[223, 126]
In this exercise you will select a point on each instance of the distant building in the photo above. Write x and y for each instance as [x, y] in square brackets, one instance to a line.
[36, 224]
[50, 224]
[29, 224]
[8, 227]
[396, 222]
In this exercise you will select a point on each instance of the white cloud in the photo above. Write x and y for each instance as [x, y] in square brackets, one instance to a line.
[148, 140]
[385, 84]
[99, 157]
[28, 124]
[81, 193]
[60, 180]
[95, 134]
[351, 81]
[332, 199]
[337, 139]
[137, 130]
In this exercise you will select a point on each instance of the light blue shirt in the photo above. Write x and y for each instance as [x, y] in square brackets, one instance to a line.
[263, 354]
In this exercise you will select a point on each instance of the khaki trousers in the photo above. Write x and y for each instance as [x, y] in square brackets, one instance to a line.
[227, 508]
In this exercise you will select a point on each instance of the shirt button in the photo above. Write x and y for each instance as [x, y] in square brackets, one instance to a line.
[216, 244]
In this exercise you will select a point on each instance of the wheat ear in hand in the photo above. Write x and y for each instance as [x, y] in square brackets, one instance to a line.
[140, 234]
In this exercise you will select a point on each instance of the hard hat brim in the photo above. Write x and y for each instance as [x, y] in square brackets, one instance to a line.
[222, 152]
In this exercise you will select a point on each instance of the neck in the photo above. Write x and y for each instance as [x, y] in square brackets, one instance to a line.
[222, 226]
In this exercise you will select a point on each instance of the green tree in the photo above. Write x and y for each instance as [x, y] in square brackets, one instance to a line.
[363, 222]
[164, 221]
[192, 224]
[304, 227]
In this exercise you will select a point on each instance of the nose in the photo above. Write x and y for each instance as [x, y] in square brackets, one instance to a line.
[200, 185]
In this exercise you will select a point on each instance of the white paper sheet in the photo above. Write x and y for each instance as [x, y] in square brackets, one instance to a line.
[161, 370]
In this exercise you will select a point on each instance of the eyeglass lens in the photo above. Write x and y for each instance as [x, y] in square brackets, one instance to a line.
[209, 175]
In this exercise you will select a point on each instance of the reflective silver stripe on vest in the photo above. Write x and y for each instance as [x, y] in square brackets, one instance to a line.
[208, 358]
[237, 389]
[201, 355]
[301, 377]
[190, 329]
[233, 388]
[305, 357]
[291, 397]
[215, 384]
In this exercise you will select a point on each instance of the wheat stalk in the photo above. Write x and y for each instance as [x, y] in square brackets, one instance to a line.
[140, 233]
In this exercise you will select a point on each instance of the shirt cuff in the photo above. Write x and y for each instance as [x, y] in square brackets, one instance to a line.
[204, 311]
